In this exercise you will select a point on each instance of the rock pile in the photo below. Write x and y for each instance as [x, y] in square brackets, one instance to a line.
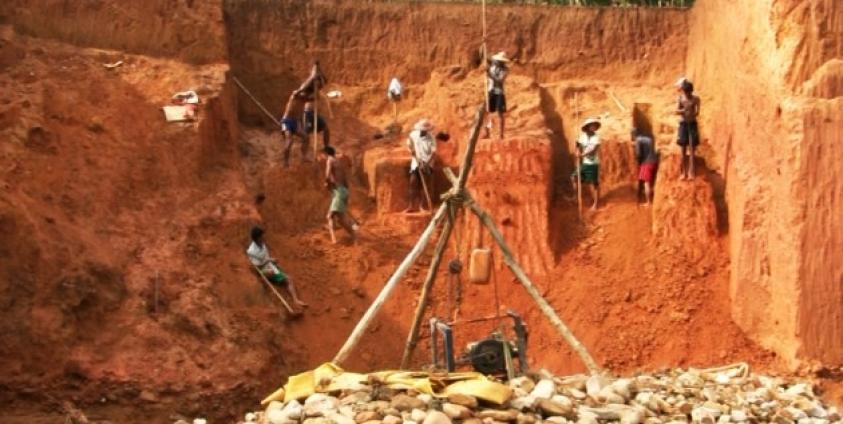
[722, 395]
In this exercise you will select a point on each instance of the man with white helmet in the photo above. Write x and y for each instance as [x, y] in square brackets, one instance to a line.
[422, 146]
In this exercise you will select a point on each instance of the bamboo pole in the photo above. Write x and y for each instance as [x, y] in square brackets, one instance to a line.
[316, 87]
[468, 158]
[577, 159]
[390, 285]
[521, 276]
[485, 59]
[275, 291]
[424, 297]
[258, 103]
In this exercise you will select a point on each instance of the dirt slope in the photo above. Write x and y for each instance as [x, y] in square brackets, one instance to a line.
[778, 164]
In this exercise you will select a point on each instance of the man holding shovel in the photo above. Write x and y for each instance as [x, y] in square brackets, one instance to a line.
[259, 256]
[422, 146]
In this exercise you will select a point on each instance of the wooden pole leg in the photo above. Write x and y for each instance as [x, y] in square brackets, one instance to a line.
[424, 297]
[390, 285]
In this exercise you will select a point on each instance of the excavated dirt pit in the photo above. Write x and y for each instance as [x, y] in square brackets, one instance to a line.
[126, 290]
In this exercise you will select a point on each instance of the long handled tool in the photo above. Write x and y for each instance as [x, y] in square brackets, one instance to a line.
[485, 59]
[293, 313]
[255, 100]
[421, 176]
[579, 170]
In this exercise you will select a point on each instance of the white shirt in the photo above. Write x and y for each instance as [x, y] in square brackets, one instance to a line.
[495, 78]
[258, 255]
[395, 88]
[589, 146]
[424, 148]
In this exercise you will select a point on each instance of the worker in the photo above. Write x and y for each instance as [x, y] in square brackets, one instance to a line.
[259, 256]
[394, 90]
[496, 75]
[337, 183]
[290, 129]
[688, 109]
[588, 145]
[647, 158]
[321, 126]
[422, 146]
[309, 89]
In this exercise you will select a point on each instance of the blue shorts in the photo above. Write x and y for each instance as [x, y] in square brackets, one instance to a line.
[290, 124]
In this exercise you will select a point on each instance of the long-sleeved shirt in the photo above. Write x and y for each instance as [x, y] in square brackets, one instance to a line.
[422, 146]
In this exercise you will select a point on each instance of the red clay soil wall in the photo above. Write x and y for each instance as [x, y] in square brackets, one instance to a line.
[774, 122]
[272, 45]
[189, 30]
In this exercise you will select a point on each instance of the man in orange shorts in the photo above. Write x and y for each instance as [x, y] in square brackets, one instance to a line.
[648, 161]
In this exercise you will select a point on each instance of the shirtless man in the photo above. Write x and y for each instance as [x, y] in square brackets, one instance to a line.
[336, 181]
[688, 108]
[311, 86]
[290, 128]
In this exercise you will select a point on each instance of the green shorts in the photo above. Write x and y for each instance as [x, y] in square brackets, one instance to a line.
[339, 199]
[278, 278]
[589, 173]
[274, 274]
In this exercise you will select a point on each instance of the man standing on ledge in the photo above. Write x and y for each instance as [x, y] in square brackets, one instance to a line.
[422, 146]
[588, 145]
[496, 75]
[688, 108]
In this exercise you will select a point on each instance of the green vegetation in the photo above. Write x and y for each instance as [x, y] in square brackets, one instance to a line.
[603, 3]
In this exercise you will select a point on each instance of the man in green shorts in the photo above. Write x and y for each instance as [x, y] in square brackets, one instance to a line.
[258, 254]
[588, 145]
[336, 181]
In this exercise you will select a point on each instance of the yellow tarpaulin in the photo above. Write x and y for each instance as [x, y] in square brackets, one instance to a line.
[331, 378]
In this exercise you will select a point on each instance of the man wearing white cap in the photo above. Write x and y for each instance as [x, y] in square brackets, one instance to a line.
[422, 146]
[495, 77]
[588, 145]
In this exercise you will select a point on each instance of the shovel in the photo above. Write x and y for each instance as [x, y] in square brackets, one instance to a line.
[293, 314]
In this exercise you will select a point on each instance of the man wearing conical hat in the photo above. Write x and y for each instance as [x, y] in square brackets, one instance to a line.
[588, 145]
[422, 146]
[495, 77]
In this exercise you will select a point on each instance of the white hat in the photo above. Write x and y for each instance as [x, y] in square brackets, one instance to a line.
[423, 124]
[590, 121]
[681, 81]
[500, 57]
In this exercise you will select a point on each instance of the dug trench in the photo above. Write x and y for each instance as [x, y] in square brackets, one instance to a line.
[126, 287]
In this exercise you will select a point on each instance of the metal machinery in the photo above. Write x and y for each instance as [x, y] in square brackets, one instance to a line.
[492, 355]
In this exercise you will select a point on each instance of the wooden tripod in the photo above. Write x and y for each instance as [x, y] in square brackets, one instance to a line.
[458, 197]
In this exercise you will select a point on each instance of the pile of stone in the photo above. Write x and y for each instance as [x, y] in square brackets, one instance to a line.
[723, 395]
